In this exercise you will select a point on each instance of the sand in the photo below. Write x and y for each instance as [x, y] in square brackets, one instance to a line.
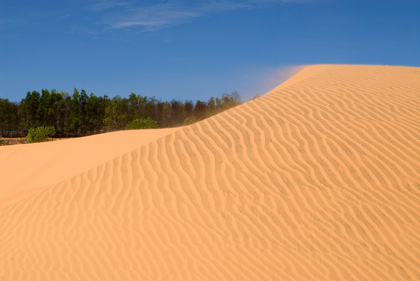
[319, 179]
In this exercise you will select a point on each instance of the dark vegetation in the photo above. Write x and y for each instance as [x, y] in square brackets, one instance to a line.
[40, 134]
[142, 123]
[43, 115]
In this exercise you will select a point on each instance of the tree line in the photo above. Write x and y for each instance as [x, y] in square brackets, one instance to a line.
[81, 114]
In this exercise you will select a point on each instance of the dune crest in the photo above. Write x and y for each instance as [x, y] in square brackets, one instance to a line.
[317, 180]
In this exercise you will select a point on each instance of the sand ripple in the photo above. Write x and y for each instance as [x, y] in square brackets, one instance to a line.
[317, 180]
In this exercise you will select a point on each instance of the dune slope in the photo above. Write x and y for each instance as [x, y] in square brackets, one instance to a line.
[317, 180]
[31, 168]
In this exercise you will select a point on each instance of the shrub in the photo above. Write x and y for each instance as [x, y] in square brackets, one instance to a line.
[190, 120]
[142, 123]
[2, 141]
[40, 134]
[255, 97]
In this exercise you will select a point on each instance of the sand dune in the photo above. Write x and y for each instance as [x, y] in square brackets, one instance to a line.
[33, 167]
[317, 180]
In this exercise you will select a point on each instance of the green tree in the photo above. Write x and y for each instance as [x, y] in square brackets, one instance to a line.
[9, 118]
[79, 113]
[79, 117]
[116, 114]
[200, 110]
[75, 113]
[230, 100]
[142, 123]
[218, 105]
[40, 134]
[164, 114]
[211, 107]
[188, 109]
[84, 114]
[94, 109]
[28, 110]
[45, 109]
[150, 108]
[177, 113]
[62, 113]
[190, 120]
[136, 106]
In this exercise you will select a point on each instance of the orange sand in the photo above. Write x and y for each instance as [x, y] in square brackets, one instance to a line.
[317, 180]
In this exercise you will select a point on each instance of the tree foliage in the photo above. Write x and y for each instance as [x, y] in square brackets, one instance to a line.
[40, 134]
[142, 123]
[9, 118]
[190, 120]
[81, 114]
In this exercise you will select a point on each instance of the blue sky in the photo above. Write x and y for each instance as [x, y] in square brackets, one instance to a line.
[192, 50]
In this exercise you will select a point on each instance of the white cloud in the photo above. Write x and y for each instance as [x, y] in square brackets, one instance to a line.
[105, 5]
[222, 6]
[265, 2]
[156, 16]
[151, 17]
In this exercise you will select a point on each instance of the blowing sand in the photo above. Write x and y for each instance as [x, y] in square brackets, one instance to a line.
[317, 180]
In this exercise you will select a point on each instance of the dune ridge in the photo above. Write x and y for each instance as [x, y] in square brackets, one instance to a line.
[317, 180]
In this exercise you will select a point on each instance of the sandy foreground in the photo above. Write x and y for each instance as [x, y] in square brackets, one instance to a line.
[317, 180]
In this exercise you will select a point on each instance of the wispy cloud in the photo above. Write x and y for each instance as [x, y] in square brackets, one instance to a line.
[105, 5]
[222, 6]
[265, 2]
[150, 17]
[157, 16]
[146, 15]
